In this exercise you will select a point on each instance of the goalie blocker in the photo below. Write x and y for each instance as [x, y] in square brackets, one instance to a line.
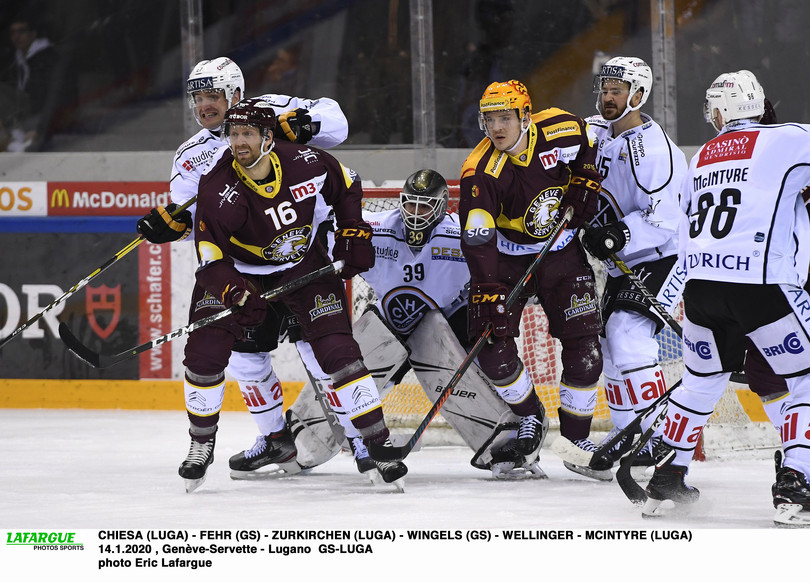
[473, 409]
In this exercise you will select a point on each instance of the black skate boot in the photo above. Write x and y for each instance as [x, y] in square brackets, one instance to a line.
[621, 447]
[365, 465]
[508, 463]
[200, 456]
[598, 469]
[390, 472]
[531, 433]
[791, 496]
[277, 448]
[643, 465]
[667, 483]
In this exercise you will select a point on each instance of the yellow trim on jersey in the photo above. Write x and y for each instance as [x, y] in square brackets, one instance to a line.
[524, 158]
[471, 163]
[254, 249]
[505, 222]
[346, 176]
[269, 190]
[209, 252]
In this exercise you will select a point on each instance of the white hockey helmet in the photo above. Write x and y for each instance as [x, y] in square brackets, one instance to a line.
[217, 74]
[631, 70]
[736, 95]
[427, 190]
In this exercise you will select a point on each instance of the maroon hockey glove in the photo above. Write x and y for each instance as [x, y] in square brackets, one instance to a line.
[252, 307]
[488, 304]
[353, 245]
[159, 226]
[583, 195]
[602, 241]
[294, 126]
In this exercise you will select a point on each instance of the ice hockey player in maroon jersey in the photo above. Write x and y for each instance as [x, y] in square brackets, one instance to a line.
[260, 203]
[514, 187]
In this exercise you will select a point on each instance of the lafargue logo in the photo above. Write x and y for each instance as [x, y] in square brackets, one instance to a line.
[790, 345]
[539, 218]
[45, 541]
[702, 348]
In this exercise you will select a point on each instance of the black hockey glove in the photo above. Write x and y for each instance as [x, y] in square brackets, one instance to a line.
[488, 304]
[353, 245]
[602, 241]
[583, 195]
[769, 117]
[159, 226]
[294, 126]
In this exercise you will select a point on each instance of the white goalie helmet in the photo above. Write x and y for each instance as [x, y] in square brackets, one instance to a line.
[217, 74]
[631, 70]
[422, 205]
[736, 95]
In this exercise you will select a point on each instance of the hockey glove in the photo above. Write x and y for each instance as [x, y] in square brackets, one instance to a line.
[488, 304]
[159, 226]
[294, 126]
[353, 245]
[602, 241]
[252, 307]
[583, 195]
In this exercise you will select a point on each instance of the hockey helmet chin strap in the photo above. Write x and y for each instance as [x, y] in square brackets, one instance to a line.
[523, 131]
[262, 152]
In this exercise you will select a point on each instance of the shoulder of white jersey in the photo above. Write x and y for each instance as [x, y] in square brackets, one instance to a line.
[654, 159]
[381, 220]
[597, 121]
[197, 151]
[284, 103]
[450, 226]
[215, 159]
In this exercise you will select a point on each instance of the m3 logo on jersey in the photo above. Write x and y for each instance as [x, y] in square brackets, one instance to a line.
[580, 306]
[549, 159]
[325, 307]
[404, 307]
[307, 189]
[539, 218]
[288, 247]
[790, 345]
[103, 299]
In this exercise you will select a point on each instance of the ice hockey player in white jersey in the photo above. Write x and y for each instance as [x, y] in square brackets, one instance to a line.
[421, 283]
[638, 220]
[212, 87]
[745, 244]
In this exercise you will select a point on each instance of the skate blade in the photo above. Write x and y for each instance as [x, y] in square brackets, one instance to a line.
[193, 484]
[508, 471]
[601, 475]
[271, 471]
[656, 508]
[399, 484]
[373, 476]
[791, 516]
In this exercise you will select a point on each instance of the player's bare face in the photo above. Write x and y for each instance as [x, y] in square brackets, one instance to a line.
[211, 107]
[246, 144]
[614, 96]
[503, 128]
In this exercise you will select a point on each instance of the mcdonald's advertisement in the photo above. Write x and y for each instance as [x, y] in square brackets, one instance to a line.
[56, 234]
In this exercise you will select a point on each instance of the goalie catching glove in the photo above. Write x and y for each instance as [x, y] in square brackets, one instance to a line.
[601, 242]
[159, 226]
[488, 304]
[294, 126]
[242, 293]
[353, 246]
[583, 195]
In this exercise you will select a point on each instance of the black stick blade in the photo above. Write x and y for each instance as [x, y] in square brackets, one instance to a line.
[387, 453]
[77, 348]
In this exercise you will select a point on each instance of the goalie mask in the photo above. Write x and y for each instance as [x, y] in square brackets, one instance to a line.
[220, 74]
[736, 96]
[255, 112]
[630, 70]
[422, 205]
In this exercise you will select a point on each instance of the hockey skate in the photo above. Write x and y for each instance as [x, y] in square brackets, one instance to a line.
[194, 467]
[365, 465]
[531, 433]
[621, 447]
[277, 448]
[667, 484]
[643, 464]
[390, 472]
[508, 464]
[791, 496]
[577, 456]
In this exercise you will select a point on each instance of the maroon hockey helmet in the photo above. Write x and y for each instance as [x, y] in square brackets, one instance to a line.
[254, 112]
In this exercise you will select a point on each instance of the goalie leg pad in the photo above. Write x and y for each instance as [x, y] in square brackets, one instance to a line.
[383, 353]
[473, 408]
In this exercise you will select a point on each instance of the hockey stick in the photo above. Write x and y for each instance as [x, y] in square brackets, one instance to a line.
[737, 377]
[387, 453]
[114, 259]
[634, 492]
[98, 360]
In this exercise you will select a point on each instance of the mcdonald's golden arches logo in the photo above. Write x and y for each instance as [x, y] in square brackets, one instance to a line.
[60, 198]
